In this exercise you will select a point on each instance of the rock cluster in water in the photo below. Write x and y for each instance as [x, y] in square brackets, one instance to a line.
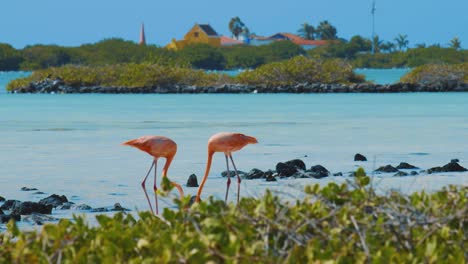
[297, 169]
[58, 86]
[37, 212]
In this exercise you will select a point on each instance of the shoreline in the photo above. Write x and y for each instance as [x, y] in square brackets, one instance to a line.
[58, 86]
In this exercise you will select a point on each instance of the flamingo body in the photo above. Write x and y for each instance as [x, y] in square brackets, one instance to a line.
[158, 147]
[225, 142]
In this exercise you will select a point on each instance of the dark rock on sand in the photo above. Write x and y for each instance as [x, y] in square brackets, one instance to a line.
[406, 166]
[232, 173]
[387, 169]
[116, 208]
[65, 206]
[414, 173]
[269, 176]
[83, 207]
[289, 168]
[192, 200]
[54, 200]
[27, 189]
[6, 218]
[1, 212]
[27, 208]
[39, 192]
[192, 181]
[318, 171]
[2, 199]
[338, 174]
[255, 174]
[38, 219]
[10, 204]
[400, 174]
[449, 167]
[359, 157]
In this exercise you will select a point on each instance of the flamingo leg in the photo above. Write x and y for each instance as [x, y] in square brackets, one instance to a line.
[238, 177]
[154, 186]
[228, 180]
[144, 188]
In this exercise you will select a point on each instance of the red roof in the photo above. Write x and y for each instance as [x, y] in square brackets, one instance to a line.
[230, 41]
[300, 41]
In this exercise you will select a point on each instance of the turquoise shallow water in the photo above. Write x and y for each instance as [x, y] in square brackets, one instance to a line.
[70, 144]
[379, 76]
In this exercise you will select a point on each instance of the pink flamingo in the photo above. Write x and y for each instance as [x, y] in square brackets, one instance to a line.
[158, 147]
[227, 143]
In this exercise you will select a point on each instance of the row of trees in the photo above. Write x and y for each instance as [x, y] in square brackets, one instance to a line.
[117, 51]
[324, 31]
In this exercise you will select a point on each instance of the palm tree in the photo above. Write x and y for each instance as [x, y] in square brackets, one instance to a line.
[455, 43]
[307, 31]
[402, 41]
[236, 26]
[387, 46]
[325, 30]
[376, 44]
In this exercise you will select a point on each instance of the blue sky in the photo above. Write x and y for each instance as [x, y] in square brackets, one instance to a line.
[72, 23]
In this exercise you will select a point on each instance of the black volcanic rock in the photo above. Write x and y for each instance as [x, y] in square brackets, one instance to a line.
[192, 181]
[406, 166]
[27, 208]
[289, 168]
[255, 174]
[449, 167]
[27, 189]
[6, 218]
[2, 199]
[54, 200]
[401, 174]
[232, 173]
[359, 157]
[387, 169]
[318, 171]
[10, 204]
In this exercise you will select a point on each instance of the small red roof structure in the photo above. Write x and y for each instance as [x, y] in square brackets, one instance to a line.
[142, 35]
[300, 41]
[227, 41]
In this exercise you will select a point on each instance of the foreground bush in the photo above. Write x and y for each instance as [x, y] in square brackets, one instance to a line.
[438, 73]
[125, 75]
[336, 223]
[301, 70]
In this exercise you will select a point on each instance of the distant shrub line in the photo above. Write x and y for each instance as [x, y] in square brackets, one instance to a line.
[296, 70]
[356, 51]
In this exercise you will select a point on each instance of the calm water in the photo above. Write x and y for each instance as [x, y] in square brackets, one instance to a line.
[379, 76]
[69, 144]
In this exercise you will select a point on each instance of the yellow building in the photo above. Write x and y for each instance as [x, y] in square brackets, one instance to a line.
[202, 33]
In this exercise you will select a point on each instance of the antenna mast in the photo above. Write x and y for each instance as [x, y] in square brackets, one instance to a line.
[373, 26]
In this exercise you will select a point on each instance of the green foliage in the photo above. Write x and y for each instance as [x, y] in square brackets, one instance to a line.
[333, 224]
[438, 73]
[10, 58]
[325, 30]
[126, 75]
[236, 26]
[307, 31]
[243, 57]
[344, 50]
[43, 56]
[300, 70]
[455, 43]
[204, 56]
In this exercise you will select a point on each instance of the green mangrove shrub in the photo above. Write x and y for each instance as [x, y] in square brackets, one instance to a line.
[334, 224]
[438, 73]
[126, 75]
[301, 69]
